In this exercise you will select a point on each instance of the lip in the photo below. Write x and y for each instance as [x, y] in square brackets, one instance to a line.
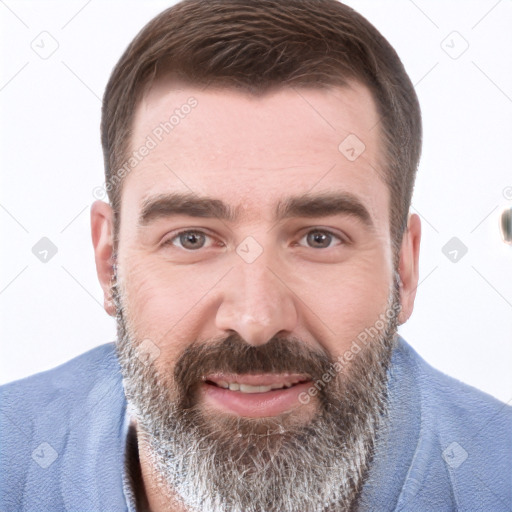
[253, 405]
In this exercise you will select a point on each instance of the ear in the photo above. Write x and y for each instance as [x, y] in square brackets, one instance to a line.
[408, 267]
[102, 231]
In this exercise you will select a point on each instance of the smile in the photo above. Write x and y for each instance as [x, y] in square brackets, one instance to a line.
[260, 395]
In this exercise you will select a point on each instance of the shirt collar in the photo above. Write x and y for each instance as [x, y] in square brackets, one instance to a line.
[131, 466]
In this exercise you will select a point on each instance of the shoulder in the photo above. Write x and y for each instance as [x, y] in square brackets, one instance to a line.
[56, 396]
[72, 380]
[63, 421]
[465, 435]
[453, 399]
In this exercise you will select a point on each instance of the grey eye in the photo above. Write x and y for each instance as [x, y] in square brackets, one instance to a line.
[319, 239]
[192, 239]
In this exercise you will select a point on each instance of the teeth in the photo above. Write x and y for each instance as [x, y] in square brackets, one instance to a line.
[245, 388]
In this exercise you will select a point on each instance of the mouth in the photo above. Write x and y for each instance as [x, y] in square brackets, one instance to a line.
[256, 396]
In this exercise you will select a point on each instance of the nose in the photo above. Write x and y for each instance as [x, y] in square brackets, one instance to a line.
[257, 304]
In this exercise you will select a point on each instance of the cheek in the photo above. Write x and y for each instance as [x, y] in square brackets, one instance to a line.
[165, 303]
[347, 299]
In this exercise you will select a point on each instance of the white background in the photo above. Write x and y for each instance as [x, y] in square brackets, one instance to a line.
[51, 162]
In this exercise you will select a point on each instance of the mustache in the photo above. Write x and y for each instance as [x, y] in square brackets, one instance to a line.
[233, 355]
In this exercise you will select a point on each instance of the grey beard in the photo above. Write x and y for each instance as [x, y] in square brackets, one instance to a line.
[224, 463]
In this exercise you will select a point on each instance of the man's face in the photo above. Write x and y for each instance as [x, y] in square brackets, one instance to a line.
[253, 251]
[322, 277]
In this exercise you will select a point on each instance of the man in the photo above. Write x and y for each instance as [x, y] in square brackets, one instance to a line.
[258, 256]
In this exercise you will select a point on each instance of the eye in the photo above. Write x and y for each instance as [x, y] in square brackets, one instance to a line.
[190, 240]
[321, 239]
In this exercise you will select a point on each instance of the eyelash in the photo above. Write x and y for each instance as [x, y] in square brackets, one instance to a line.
[170, 240]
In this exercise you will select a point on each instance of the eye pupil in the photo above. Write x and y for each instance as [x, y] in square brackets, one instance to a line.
[192, 240]
[319, 239]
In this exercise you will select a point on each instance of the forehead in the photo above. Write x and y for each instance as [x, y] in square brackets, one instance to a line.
[252, 150]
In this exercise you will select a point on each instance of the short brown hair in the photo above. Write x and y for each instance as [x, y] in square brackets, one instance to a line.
[258, 45]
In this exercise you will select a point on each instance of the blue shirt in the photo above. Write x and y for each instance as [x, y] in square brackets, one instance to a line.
[446, 446]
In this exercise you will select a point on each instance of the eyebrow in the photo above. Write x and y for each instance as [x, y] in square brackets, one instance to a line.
[306, 205]
[192, 205]
[323, 205]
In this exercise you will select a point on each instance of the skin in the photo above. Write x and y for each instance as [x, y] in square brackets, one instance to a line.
[252, 152]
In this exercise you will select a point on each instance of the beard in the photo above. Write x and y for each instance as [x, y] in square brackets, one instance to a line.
[214, 462]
